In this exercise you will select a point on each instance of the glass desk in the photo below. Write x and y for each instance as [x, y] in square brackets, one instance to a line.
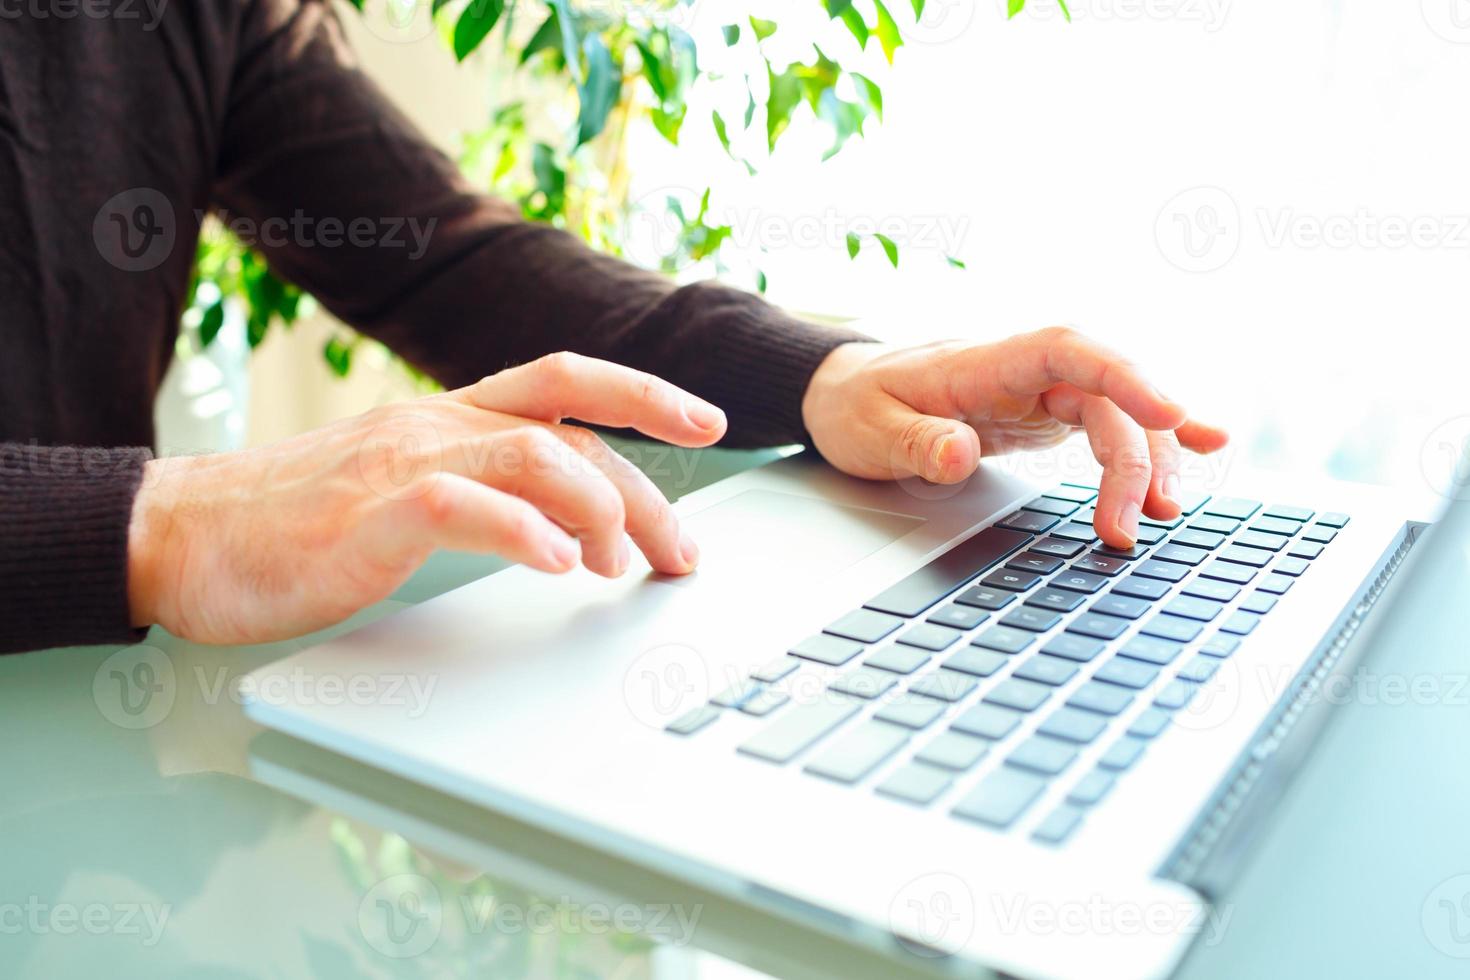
[149, 830]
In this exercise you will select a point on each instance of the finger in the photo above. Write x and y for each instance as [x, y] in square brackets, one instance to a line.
[460, 514]
[535, 465]
[1164, 500]
[1025, 366]
[1201, 438]
[934, 449]
[650, 521]
[565, 385]
[1123, 450]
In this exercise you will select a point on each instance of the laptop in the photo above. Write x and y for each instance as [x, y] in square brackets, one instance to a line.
[944, 723]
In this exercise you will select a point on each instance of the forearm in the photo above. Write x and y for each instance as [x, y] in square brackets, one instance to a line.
[64, 518]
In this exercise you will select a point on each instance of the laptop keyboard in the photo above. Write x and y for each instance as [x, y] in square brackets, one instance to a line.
[1021, 646]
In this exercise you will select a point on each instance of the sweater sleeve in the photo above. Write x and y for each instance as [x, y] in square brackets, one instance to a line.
[455, 281]
[64, 515]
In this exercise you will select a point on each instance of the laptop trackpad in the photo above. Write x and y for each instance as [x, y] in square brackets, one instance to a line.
[761, 535]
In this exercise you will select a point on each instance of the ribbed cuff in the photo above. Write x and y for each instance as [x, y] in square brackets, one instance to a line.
[64, 515]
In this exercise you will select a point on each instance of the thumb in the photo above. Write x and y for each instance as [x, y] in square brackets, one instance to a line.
[935, 449]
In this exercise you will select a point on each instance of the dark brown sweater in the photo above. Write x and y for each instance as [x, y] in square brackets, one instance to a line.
[254, 109]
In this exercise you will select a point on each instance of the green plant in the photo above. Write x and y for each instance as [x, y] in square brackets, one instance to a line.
[619, 65]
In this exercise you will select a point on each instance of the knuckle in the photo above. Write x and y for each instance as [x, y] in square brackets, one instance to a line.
[435, 504]
[558, 368]
[1059, 334]
[1132, 462]
[583, 440]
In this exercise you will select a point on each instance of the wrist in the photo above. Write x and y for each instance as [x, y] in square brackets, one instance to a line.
[823, 392]
[149, 530]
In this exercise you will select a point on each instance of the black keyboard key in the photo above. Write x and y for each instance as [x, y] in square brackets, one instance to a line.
[977, 661]
[1240, 623]
[1175, 695]
[1192, 502]
[1215, 525]
[1220, 645]
[944, 685]
[1101, 627]
[1180, 554]
[953, 751]
[1031, 618]
[1166, 571]
[958, 617]
[858, 752]
[1074, 581]
[1118, 605]
[910, 711]
[1058, 825]
[826, 649]
[1199, 670]
[1123, 753]
[1028, 522]
[948, 572]
[1259, 603]
[1010, 579]
[1001, 797]
[1074, 492]
[1227, 571]
[1006, 639]
[1291, 566]
[1124, 672]
[1152, 649]
[1076, 532]
[1213, 589]
[1276, 525]
[1148, 534]
[1057, 547]
[1073, 647]
[1099, 564]
[1058, 600]
[1052, 506]
[1235, 507]
[1022, 695]
[1254, 557]
[693, 720]
[1129, 554]
[1039, 753]
[1319, 534]
[799, 728]
[1196, 538]
[1149, 723]
[1030, 561]
[1073, 725]
[988, 721]
[865, 682]
[1334, 519]
[1304, 549]
[1275, 584]
[1156, 522]
[927, 636]
[865, 626]
[983, 597]
[1091, 788]
[1142, 588]
[1046, 670]
[776, 669]
[1298, 514]
[1105, 699]
[1172, 628]
[899, 660]
[1193, 607]
[916, 783]
[1260, 539]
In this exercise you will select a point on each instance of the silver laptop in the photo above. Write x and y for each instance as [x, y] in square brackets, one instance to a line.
[951, 726]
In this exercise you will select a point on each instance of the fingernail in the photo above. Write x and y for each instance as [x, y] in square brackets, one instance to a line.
[1128, 520]
[688, 550]
[564, 549]
[941, 450]
[703, 414]
[1171, 487]
[624, 556]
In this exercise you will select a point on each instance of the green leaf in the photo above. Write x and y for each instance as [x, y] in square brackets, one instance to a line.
[434, 9]
[1065, 12]
[720, 130]
[854, 245]
[749, 108]
[955, 263]
[209, 326]
[856, 25]
[871, 93]
[762, 28]
[669, 124]
[1014, 7]
[569, 43]
[599, 92]
[918, 9]
[732, 34]
[835, 8]
[339, 356]
[889, 248]
[785, 96]
[546, 38]
[358, 4]
[761, 282]
[551, 180]
[477, 21]
[887, 31]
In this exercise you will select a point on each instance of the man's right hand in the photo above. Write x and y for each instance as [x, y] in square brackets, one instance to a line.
[270, 543]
